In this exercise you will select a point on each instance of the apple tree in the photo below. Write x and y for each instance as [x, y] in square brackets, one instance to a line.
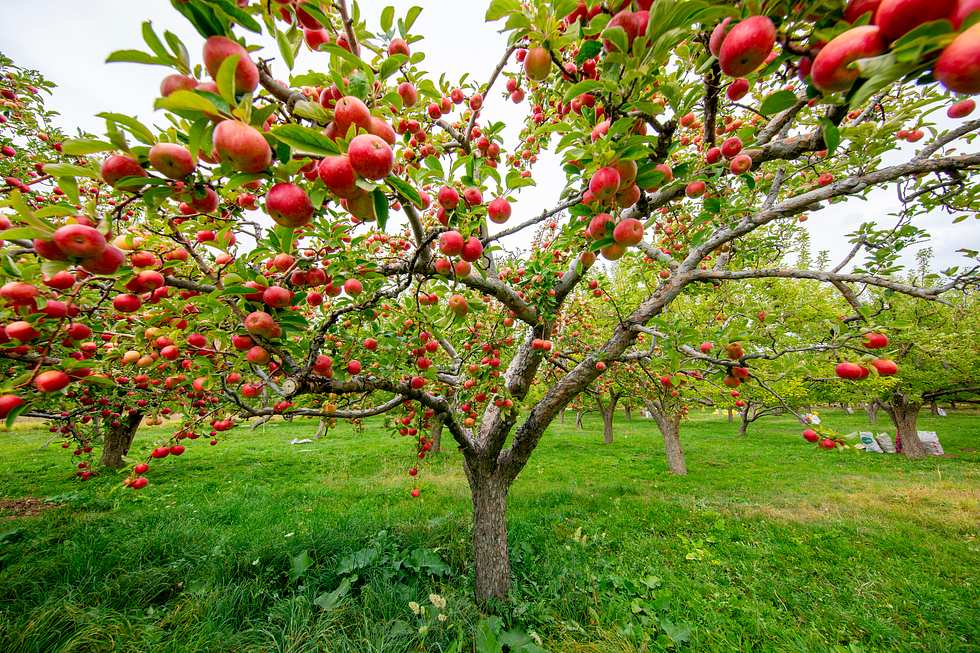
[332, 243]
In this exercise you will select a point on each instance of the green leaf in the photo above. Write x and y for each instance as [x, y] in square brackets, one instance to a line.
[831, 135]
[588, 50]
[380, 207]
[617, 36]
[778, 101]
[199, 135]
[332, 600]
[350, 58]
[139, 131]
[79, 146]
[299, 564]
[179, 101]
[15, 413]
[179, 50]
[70, 187]
[152, 40]
[500, 8]
[286, 48]
[22, 233]
[69, 170]
[390, 65]
[201, 17]
[411, 16]
[305, 140]
[387, 17]
[235, 13]
[578, 89]
[405, 189]
[226, 78]
[135, 56]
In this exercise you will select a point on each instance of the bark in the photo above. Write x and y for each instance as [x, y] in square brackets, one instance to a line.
[731, 416]
[628, 410]
[871, 408]
[321, 429]
[934, 408]
[490, 555]
[743, 425]
[435, 434]
[670, 428]
[578, 420]
[904, 414]
[608, 413]
[118, 439]
[561, 416]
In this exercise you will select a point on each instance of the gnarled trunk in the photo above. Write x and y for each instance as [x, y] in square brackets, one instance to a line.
[435, 434]
[578, 420]
[322, 427]
[608, 413]
[743, 426]
[118, 439]
[904, 414]
[628, 411]
[490, 555]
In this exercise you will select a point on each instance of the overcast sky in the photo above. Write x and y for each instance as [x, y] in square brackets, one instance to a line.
[68, 42]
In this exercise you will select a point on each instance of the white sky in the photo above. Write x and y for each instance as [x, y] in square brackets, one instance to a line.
[68, 42]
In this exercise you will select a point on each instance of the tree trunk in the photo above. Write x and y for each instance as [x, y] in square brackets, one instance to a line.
[435, 434]
[608, 413]
[871, 408]
[731, 416]
[119, 438]
[490, 555]
[934, 408]
[628, 410]
[904, 415]
[670, 428]
[743, 426]
[578, 420]
[561, 416]
[321, 429]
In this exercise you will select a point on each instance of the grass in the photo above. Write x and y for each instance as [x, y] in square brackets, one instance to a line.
[768, 544]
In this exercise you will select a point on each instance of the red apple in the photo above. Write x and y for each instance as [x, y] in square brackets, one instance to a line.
[51, 381]
[457, 305]
[499, 210]
[850, 371]
[105, 262]
[176, 82]
[351, 111]
[628, 232]
[718, 35]
[448, 198]
[810, 435]
[961, 109]
[242, 146]
[737, 89]
[219, 48]
[898, 17]
[289, 205]
[262, 324]
[832, 71]
[337, 174]
[118, 167]
[604, 183]
[746, 46]
[79, 241]
[21, 331]
[958, 67]
[472, 250]
[857, 8]
[884, 367]
[537, 64]
[174, 161]
[370, 156]
[874, 340]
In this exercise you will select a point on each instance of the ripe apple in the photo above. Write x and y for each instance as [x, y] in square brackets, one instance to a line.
[354, 367]
[604, 183]
[289, 205]
[874, 340]
[219, 48]
[176, 82]
[472, 250]
[706, 347]
[898, 17]
[262, 324]
[21, 331]
[746, 46]
[884, 367]
[628, 232]
[79, 240]
[174, 161]
[695, 189]
[958, 67]
[277, 297]
[408, 94]
[51, 381]
[118, 166]
[741, 163]
[353, 287]
[850, 371]
[832, 71]
[810, 435]
[448, 198]
[731, 147]
[961, 109]
[49, 250]
[457, 305]
[370, 156]
[613, 252]
[141, 468]
[257, 355]
[499, 210]
[537, 64]
[827, 443]
[857, 8]
[126, 303]
[242, 146]
[597, 226]
[964, 8]
[451, 243]
[737, 89]
[718, 35]
[472, 196]
[361, 206]
[351, 111]
[337, 174]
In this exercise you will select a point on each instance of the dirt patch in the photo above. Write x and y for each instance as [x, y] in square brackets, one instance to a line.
[25, 507]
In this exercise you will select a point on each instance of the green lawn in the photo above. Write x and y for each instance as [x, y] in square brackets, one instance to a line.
[768, 545]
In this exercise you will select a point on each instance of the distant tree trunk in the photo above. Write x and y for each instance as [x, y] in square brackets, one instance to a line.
[871, 408]
[118, 439]
[608, 413]
[561, 416]
[322, 427]
[731, 416]
[952, 405]
[904, 414]
[743, 426]
[670, 428]
[435, 434]
[628, 410]
[847, 408]
[578, 420]
[933, 408]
